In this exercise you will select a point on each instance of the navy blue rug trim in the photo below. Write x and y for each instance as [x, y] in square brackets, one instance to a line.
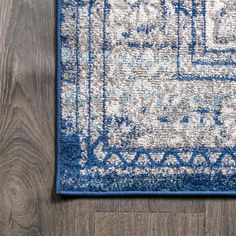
[58, 91]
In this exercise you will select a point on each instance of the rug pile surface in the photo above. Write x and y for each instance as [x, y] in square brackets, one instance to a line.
[146, 97]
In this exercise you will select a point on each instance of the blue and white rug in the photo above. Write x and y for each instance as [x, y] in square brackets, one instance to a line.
[146, 97]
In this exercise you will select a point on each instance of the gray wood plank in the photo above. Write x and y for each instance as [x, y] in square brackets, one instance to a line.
[155, 205]
[123, 205]
[220, 217]
[138, 224]
[177, 205]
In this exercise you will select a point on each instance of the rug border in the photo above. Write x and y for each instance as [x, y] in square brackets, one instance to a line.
[57, 143]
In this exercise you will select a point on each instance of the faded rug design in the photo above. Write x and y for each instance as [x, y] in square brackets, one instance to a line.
[146, 97]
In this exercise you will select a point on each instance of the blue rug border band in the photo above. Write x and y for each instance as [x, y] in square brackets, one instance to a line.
[58, 96]
[57, 143]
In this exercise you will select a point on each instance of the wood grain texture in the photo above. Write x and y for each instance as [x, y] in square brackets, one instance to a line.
[220, 217]
[28, 204]
[150, 224]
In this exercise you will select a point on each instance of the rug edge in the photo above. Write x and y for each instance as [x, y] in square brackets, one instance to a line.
[59, 191]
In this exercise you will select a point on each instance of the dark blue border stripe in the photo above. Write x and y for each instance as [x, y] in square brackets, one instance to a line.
[77, 79]
[104, 78]
[90, 69]
[58, 93]
[147, 193]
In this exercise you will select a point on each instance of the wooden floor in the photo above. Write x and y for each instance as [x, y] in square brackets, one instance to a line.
[28, 204]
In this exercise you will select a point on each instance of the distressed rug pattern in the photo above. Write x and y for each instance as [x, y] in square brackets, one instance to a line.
[146, 99]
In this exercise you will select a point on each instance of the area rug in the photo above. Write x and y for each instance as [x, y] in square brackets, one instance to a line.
[146, 97]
